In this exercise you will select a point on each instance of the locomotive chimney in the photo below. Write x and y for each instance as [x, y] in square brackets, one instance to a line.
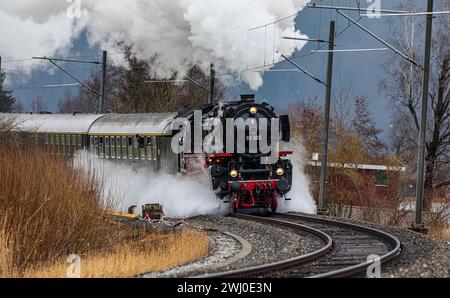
[248, 97]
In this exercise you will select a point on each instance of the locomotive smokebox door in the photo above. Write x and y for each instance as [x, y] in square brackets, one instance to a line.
[154, 211]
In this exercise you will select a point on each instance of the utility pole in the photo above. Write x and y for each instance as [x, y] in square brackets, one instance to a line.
[0, 64]
[418, 224]
[212, 75]
[101, 105]
[322, 210]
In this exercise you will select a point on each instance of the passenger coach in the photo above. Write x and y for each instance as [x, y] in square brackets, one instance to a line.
[129, 137]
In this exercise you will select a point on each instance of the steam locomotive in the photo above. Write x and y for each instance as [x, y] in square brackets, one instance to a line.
[240, 173]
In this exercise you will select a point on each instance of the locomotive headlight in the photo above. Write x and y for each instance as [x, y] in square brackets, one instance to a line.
[253, 110]
[280, 171]
[234, 173]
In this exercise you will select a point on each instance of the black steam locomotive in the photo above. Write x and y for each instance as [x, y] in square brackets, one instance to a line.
[244, 176]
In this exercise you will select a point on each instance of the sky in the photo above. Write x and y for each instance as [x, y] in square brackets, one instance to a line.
[358, 71]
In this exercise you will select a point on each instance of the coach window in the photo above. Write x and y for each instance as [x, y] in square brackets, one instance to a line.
[59, 141]
[68, 141]
[62, 143]
[114, 144]
[92, 144]
[97, 146]
[112, 141]
[119, 147]
[47, 143]
[69, 145]
[56, 144]
[79, 142]
[140, 145]
[73, 143]
[100, 147]
[51, 143]
[381, 178]
[107, 146]
[130, 147]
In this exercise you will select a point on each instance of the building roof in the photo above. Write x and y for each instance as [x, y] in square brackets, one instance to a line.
[358, 166]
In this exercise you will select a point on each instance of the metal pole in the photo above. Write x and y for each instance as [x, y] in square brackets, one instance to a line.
[322, 210]
[101, 105]
[0, 64]
[418, 225]
[212, 75]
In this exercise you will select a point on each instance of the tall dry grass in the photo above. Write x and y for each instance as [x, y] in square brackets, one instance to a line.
[154, 252]
[48, 209]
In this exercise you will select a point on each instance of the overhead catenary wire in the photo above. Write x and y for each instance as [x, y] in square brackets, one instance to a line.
[434, 13]
[377, 38]
[352, 50]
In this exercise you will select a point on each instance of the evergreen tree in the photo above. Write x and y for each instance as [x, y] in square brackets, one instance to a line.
[364, 125]
[6, 98]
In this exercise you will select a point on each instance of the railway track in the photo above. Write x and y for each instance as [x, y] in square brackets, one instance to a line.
[344, 252]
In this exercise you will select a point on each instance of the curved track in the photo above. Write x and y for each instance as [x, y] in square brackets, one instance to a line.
[344, 253]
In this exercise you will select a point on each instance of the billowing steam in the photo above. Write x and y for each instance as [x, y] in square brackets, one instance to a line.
[179, 33]
[301, 198]
[128, 185]
[180, 196]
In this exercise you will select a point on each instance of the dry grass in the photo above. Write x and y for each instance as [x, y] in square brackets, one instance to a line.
[439, 232]
[152, 253]
[50, 210]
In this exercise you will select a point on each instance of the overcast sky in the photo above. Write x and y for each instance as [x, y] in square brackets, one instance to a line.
[359, 71]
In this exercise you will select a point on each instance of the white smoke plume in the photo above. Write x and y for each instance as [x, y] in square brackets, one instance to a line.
[128, 185]
[301, 199]
[181, 196]
[179, 33]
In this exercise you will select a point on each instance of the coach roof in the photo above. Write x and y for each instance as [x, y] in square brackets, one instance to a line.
[52, 123]
[133, 124]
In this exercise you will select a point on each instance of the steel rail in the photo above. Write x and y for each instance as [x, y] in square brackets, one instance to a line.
[352, 270]
[266, 269]
[358, 268]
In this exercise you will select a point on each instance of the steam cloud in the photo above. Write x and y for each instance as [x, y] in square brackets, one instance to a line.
[179, 33]
[129, 185]
[181, 197]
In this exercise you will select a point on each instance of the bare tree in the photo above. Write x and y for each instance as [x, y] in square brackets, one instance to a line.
[342, 107]
[38, 105]
[136, 90]
[402, 85]
[306, 117]
[18, 107]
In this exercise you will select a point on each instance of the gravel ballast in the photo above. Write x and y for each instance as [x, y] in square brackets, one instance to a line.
[421, 257]
[268, 244]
